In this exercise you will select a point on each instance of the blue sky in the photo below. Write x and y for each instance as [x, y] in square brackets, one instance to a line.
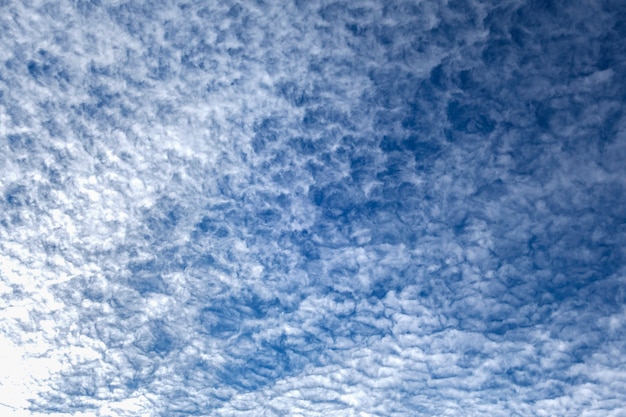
[312, 208]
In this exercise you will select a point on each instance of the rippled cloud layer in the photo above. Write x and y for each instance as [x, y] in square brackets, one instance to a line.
[313, 208]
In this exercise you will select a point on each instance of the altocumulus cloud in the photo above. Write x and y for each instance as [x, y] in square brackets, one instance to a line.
[313, 208]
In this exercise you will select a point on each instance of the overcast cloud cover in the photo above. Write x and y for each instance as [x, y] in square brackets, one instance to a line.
[312, 208]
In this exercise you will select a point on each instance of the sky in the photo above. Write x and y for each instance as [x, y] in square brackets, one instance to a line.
[312, 208]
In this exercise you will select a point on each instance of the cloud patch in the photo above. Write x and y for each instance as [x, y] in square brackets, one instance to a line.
[310, 209]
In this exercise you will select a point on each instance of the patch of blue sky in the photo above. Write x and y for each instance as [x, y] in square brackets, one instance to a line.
[312, 208]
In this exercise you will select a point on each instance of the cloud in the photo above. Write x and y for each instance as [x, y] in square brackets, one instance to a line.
[312, 208]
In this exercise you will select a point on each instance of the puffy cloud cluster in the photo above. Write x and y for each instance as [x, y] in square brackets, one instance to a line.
[312, 208]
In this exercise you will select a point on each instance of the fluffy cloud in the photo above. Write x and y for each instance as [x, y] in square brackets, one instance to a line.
[312, 208]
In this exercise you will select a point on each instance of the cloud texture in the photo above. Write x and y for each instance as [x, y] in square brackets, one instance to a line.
[313, 208]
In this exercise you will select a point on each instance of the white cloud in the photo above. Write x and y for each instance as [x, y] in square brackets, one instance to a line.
[312, 208]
